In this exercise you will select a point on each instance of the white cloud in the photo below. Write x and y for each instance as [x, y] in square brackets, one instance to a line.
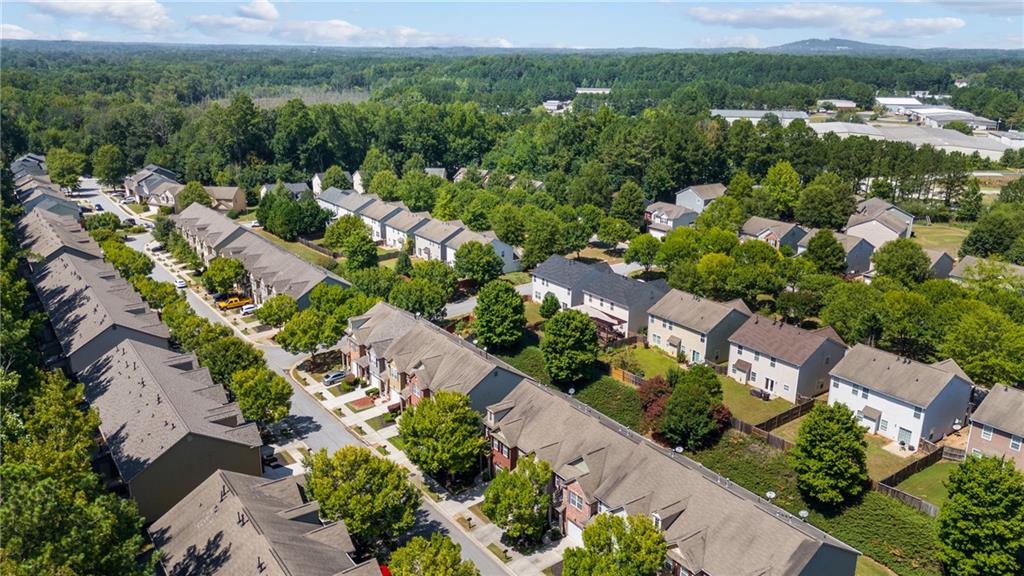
[259, 9]
[793, 15]
[15, 32]
[741, 41]
[907, 27]
[336, 32]
[146, 15]
[985, 7]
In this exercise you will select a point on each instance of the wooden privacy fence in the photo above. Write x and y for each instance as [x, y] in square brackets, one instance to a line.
[908, 499]
[325, 251]
[787, 416]
[954, 454]
[777, 442]
[625, 376]
[913, 468]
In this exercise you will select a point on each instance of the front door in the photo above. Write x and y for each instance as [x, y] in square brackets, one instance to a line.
[769, 384]
[904, 436]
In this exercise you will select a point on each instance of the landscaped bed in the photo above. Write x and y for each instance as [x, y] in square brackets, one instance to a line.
[381, 421]
[907, 544]
[930, 484]
[335, 391]
[360, 404]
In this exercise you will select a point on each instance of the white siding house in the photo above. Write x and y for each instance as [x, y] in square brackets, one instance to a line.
[663, 218]
[432, 236]
[331, 200]
[563, 278]
[402, 226]
[901, 399]
[697, 198]
[878, 222]
[509, 262]
[376, 214]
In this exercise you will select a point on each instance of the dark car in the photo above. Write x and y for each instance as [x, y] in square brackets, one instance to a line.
[97, 208]
[130, 221]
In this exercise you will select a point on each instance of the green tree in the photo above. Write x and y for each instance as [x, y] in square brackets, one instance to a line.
[997, 228]
[981, 525]
[341, 230]
[518, 500]
[569, 345]
[373, 496]
[960, 126]
[549, 306]
[852, 309]
[228, 355]
[360, 250]
[781, 187]
[969, 207]
[500, 315]
[438, 556]
[591, 186]
[374, 162]
[725, 213]
[613, 545]
[443, 435]
[156, 294]
[193, 192]
[437, 273]
[403, 265]
[507, 224]
[903, 260]
[909, 324]
[419, 296]
[830, 457]
[687, 419]
[987, 345]
[375, 282]
[477, 262]
[223, 274]
[308, 331]
[385, 185]
[262, 394]
[1012, 191]
[335, 177]
[826, 202]
[128, 262]
[64, 167]
[628, 204]
[826, 252]
[109, 165]
[614, 231]
[643, 250]
[277, 310]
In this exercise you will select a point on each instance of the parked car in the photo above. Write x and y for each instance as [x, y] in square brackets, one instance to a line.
[97, 207]
[179, 283]
[130, 221]
[255, 224]
[148, 225]
[248, 309]
[234, 302]
[332, 377]
[156, 247]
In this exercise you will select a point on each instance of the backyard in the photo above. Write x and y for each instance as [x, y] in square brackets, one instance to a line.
[946, 237]
[881, 462]
[750, 409]
[650, 361]
[930, 484]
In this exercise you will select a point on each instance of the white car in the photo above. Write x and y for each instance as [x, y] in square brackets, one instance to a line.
[179, 283]
[248, 309]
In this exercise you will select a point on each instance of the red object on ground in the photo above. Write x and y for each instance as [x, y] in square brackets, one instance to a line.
[384, 570]
[364, 402]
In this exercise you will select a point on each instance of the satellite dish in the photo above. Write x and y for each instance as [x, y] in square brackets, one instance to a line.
[803, 515]
[770, 495]
[572, 391]
[678, 449]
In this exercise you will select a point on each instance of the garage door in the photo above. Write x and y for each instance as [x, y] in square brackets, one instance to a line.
[573, 532]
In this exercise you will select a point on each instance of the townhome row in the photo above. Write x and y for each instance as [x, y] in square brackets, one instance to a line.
[271, 269]
[393, 225]
[171, 440]
[599, 467]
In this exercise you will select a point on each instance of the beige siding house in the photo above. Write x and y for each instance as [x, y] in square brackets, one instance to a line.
[695, 329]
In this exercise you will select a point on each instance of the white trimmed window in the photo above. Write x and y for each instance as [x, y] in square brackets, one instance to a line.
[772, 362]
[575, 501]
[1015, 442]
[883, 425]
[917, 413]
[986, 432]
[835, 383]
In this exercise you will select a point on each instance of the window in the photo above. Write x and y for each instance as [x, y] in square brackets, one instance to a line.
[536, 296]
[575, 501]
[757, 355]
[918, 412]
[504, 451]
[739, 350]
[753, 376]
[703, 338]
[772, 362]
[495, 444]
[883, 425]
[856, 390]
[1015, 443]
[657, 339]
[976, 452]
[785, 387]
[657, 521]
[835, 383]
[696, 357]
[986, 432]
[664, 324]
[864, 393]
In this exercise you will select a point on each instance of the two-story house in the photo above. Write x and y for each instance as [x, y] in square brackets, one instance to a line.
[295, 189]
[399, 229]
[697, 198]
[941, 263]
[662, 218]
[621, 303]
[563, 277]
[431, 239]
[331, 200]
[601, 468]
[509, 261]
[858, 250]
[353, 204]
[878, 222]
[899, 398]
[142, 183]
[782, 359]
[997, 426]
[774, 232]
[695, 329]
[368, 337]
[376, 214]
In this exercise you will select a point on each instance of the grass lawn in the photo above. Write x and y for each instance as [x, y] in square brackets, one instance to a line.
[929, 484]
[335, 391]
[789, 430]
[498, 551]
[516, 278]
[382, 421]
[138, 208]
[532, 312]
[528, 358]
[398, 442]
[426, 490]
[946, 237]
[891, 533]
[868, 567]
[307, 254]
[614, 399]
[881, 462]
[476, 510]
[654, 362]
[247, 217]
[749, 408]
[592, 253]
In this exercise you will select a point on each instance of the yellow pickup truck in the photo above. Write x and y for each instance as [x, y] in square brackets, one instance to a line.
[234, 302]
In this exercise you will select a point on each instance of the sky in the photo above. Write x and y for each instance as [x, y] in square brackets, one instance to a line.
[663, 24]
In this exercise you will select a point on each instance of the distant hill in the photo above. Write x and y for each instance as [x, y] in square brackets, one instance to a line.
[843, 47]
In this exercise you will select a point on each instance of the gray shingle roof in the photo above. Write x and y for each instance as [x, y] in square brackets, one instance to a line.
[628, 292]
[46, 235]
[706, 191]
[381, 211]
[880, 210]
[149, 398]
[382, 323]
[968, 263]
[83, 298]
[212, 227]
[467, 235]
[439, 231]
[240, 524]
[848, 242]
[783, 341]
[295, 188]
[1002, 409]
[705, 518]
[42, 199]
[671, 211]
[693, 312]
[755, 225]
[406, 221]
[356, 202]
[334, 195]
[909, 380]
[568, 273]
